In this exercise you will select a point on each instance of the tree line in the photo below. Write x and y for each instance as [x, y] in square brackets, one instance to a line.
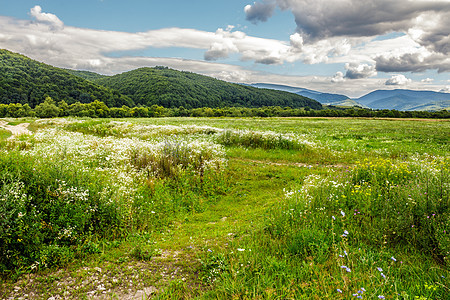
[97, 109]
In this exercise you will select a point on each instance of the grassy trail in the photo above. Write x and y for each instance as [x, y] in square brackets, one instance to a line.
[174, 268]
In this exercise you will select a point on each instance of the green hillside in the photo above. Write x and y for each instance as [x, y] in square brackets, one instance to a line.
[86, 74]
[26, 81]
[171, 88]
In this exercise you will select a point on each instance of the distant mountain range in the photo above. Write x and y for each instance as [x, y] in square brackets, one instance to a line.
[399, 99]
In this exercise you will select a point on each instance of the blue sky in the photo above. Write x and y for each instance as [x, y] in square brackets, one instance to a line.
[332, 46]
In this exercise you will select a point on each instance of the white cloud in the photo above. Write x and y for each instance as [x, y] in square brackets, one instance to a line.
[398, 79]
[338, 77]
[355, 71]
[427, 80]
[47, 18]
[296, 42]
[259, 11]
[323, 18]
[413, 62]
[425, 22]
[445, 90]
[220, 50]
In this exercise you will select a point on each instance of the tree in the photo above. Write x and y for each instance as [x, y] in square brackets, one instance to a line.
[47, 109]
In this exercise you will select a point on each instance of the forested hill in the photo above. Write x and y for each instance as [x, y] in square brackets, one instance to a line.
[170, 88]
[26, 81]
[86, 74]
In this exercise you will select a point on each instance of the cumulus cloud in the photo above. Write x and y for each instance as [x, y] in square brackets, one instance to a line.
[398, 79]
[357, 71]
[323, 18]
[445, 90]
[413, 62]
[220, 50]
[425, 22]
[259, 11]
[338, 77]
[46, 18]
[224, 43]
[427, 80]
[296, 41]
[232, 75]
[432, 31]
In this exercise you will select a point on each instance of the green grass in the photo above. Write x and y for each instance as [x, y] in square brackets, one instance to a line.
[260, 227]
[4, 134]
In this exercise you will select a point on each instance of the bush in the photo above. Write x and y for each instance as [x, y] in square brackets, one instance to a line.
[46, 210]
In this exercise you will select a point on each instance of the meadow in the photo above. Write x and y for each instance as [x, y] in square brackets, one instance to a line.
[225, 208]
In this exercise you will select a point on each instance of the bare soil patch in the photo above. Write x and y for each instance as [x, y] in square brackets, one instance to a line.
[17, 129]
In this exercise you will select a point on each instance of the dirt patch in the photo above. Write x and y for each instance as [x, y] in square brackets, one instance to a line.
[129, 280]
[15, 130]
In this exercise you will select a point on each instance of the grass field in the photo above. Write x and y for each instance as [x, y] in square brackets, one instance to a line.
[225, 208]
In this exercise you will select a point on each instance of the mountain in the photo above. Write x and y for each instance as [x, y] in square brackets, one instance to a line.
[86, 74]
[434, 106]
[26, 81]
[401, 99]
[324, 98]
[170, 88]
[280, 87]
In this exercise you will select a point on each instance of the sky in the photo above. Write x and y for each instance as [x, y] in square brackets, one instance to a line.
[351, 47]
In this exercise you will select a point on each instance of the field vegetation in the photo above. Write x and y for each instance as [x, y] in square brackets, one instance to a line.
[225, 208]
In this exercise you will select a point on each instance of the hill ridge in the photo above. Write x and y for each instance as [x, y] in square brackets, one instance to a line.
[171, 88]
[27, 81]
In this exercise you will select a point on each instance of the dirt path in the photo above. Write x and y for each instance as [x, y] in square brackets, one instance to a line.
[15, 130]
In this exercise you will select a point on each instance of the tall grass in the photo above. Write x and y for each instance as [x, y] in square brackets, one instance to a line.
[367, 231]
[262, 139]
[62, 190]
[227, 137]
